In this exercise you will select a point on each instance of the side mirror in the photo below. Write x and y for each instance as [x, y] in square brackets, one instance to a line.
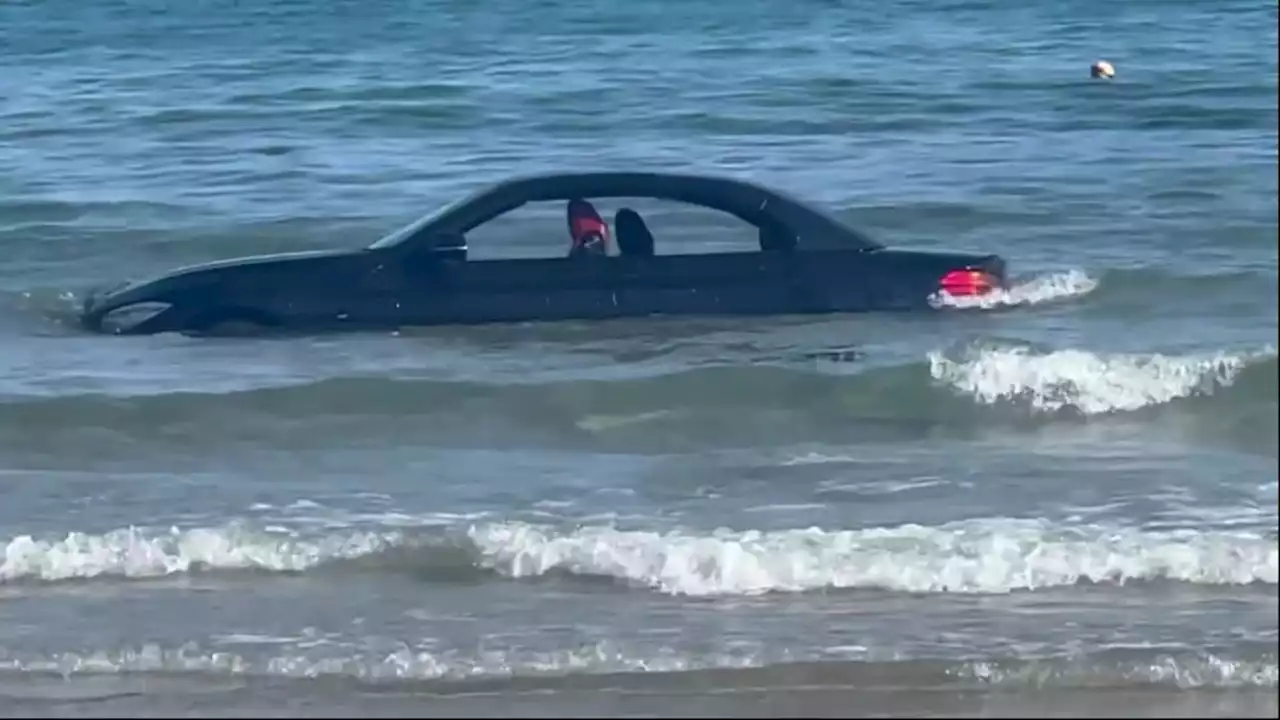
[450, 247]
[444, 247]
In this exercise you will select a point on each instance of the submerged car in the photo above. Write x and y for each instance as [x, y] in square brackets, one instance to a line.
[807, 261]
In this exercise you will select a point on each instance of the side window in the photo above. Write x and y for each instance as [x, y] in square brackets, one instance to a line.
[535, 230]
[680, 228]
[635, 227]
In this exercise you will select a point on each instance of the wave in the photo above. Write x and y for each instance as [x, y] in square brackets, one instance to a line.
[993, 556]
[977, 386]
[1247, 279]
[1136, 292]
[607, 665]
[1093, 383]
[18, 214]
[1049, 287]
[979, 556]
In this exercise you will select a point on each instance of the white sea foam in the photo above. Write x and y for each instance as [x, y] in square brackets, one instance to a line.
[136, 553]
[994, 556]
[1171, 670]
[817, 458]
[1166, 669]
[1089, 382]
[1040, 289]
[404, 663]
[981, 556]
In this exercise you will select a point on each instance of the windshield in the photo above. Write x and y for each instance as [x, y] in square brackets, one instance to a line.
[398, 236]
[404, 233]
[408, 231]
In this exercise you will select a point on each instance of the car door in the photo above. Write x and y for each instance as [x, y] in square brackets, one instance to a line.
[844, 281]
[407, 286]
[536, 289]
[738, 283]
[434, 287]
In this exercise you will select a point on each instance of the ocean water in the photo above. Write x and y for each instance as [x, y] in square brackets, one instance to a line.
[1062, 501]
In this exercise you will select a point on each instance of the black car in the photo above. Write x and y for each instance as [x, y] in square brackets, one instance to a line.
[808, 261]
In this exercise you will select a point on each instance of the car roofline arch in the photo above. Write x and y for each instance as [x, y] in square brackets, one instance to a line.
[750, 202]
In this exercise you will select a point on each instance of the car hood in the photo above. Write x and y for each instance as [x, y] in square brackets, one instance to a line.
[257, 260]
[134, 290]
[246, 262]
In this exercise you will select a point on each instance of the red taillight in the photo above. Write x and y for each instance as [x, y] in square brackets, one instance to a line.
[959, 283]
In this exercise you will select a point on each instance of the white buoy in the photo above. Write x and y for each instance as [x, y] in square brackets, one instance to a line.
[1102, 70]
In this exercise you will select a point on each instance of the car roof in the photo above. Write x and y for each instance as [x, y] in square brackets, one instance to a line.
[749, 201]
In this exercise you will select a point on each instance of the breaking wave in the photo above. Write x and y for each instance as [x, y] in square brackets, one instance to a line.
[987, 556]
[982, 556]
[1091, 383]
